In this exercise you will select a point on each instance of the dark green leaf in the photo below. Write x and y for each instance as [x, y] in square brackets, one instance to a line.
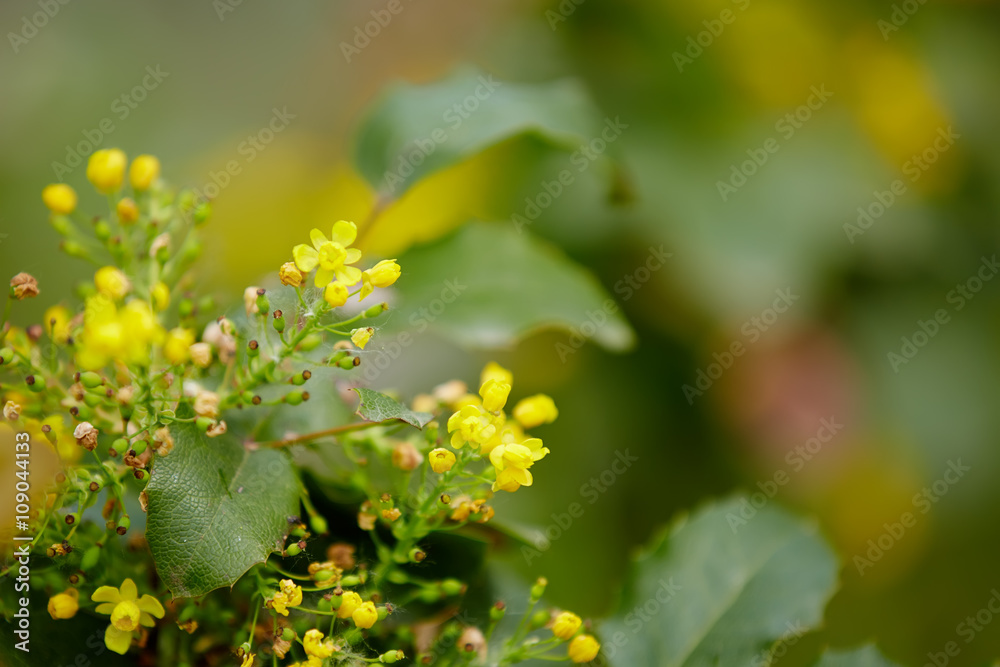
[376, 407]
[215, 509]
[720, 589]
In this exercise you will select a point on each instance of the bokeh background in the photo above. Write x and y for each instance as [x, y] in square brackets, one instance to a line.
[891, 90]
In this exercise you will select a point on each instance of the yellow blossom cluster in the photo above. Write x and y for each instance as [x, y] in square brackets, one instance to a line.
[481, 423]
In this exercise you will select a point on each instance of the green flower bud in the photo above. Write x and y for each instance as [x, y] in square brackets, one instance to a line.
[293, 549]
[73, 249]
[323, 575]
[538, 590]
[102, 230]
[337, 356]
[318, 524]
[375, 311]
[93, 400]
[350, 580]
[288, 634]
[204, 423]
[294, 397]
[90, 557]
[310, 342]
[326, 604]
[36, 383]
[90, 379]
[452, 586]
[416, 555]
[263, 304]
[497, 611]
[123, 525]
[391, 656]
[279, 321]
[185, 308]
[139, 446]
[6, 356]
[539, 619]
[347, 363]
[253, 349]
[61, 224]
[202, 212]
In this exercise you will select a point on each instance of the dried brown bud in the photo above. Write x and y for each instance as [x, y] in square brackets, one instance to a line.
[24, 286]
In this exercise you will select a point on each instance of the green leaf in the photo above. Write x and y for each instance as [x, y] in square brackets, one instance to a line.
[489, 285]
[719, 589]
[376, 407]
[215, 509]
[443, 122]
[864, 656]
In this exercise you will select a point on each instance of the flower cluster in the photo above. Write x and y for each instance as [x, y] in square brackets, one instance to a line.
[482, 424]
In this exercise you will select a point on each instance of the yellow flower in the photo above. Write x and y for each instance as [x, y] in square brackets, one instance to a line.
[289, 595]
[360, 337]
[177, 348]
[383, 274]
[535, 411]
[127, 211]
[144, 170]
[248, 660]
[314, 645]
[113, 333]
[106, 169]
[495, 371]
[583, 649]
[161, 295]
[59, 198]
[512, 460]
[128, 612]
[365, 615]
[111, 282]
[56, 320]
[472, 424]
[332, 256]
[494, 395]
[290, 275]
[64, 605]
[335, 294]
[441, 460]
[349, 601]
[566, 625]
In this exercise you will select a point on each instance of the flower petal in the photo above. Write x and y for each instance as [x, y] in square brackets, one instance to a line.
[353, 255]
[106, 594]
[117, 640]
[348, 275]
[344, 233]
[106, 607]
[128, 590]
[323, 277]
[151, 605]
[317, 238]
[306, 258]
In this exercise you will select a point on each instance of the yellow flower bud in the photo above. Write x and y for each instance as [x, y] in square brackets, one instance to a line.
[56, 321]
[64, 605]
[314, 645]
[441, 460]
[59, 198]
[495, 371]
[290, 275]
[177, 348]
[335, 294]
[365, 615]
[161, 295]
[360, 337]
[144, 171]
[106, 169]
[583, 649]
[384, 273]
[128, 212]
[566, 625]
[494, 395]
[111, 282]
[535, 411]
[349, 601]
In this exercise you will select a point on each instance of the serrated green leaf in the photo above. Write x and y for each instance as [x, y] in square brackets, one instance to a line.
[864, 656]
[215, 509]
[716, 591]
[488, 285]
[376, 407]
[452, 119]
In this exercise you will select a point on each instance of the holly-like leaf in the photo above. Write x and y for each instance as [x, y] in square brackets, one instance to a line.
[376, 407]
[864, 656]
[721, 588]
[500, 285]
[215, 509]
